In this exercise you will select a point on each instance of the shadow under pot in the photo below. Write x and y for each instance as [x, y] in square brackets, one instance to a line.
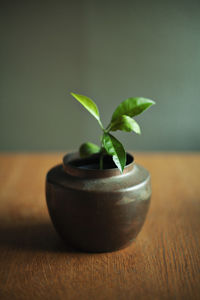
[97, 210]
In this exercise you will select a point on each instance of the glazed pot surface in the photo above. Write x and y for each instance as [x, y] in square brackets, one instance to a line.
[97, 213]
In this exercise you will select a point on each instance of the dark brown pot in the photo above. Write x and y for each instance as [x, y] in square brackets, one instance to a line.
[97, 210]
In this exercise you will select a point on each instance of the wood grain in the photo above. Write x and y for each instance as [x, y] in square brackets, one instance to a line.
[163, 263]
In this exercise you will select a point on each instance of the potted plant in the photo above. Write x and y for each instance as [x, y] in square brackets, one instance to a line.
[98, 198]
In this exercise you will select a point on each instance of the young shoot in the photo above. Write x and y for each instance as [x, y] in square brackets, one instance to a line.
[122, 119]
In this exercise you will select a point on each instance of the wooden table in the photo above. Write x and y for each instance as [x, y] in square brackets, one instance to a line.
[163, 263]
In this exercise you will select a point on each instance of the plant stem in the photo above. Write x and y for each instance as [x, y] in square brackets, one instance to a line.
[101, 161]
[101, 154]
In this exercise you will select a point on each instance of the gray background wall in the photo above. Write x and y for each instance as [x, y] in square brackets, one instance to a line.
[108, 50]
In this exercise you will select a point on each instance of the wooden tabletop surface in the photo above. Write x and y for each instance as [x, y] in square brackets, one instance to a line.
[163, 262]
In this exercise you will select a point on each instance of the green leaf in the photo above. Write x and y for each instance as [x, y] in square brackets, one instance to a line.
[89, 105]
[125, 123]
[132, 107]
[116, 149]
[88, 149]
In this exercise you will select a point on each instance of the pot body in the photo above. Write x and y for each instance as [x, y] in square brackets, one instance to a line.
[97, 213]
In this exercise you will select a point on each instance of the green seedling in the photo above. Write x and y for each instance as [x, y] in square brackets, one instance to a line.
[122, 119]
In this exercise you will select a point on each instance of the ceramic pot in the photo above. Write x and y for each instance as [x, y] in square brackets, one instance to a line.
[97, 210]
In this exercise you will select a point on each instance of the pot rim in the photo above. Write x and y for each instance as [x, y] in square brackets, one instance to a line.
[93, 173]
